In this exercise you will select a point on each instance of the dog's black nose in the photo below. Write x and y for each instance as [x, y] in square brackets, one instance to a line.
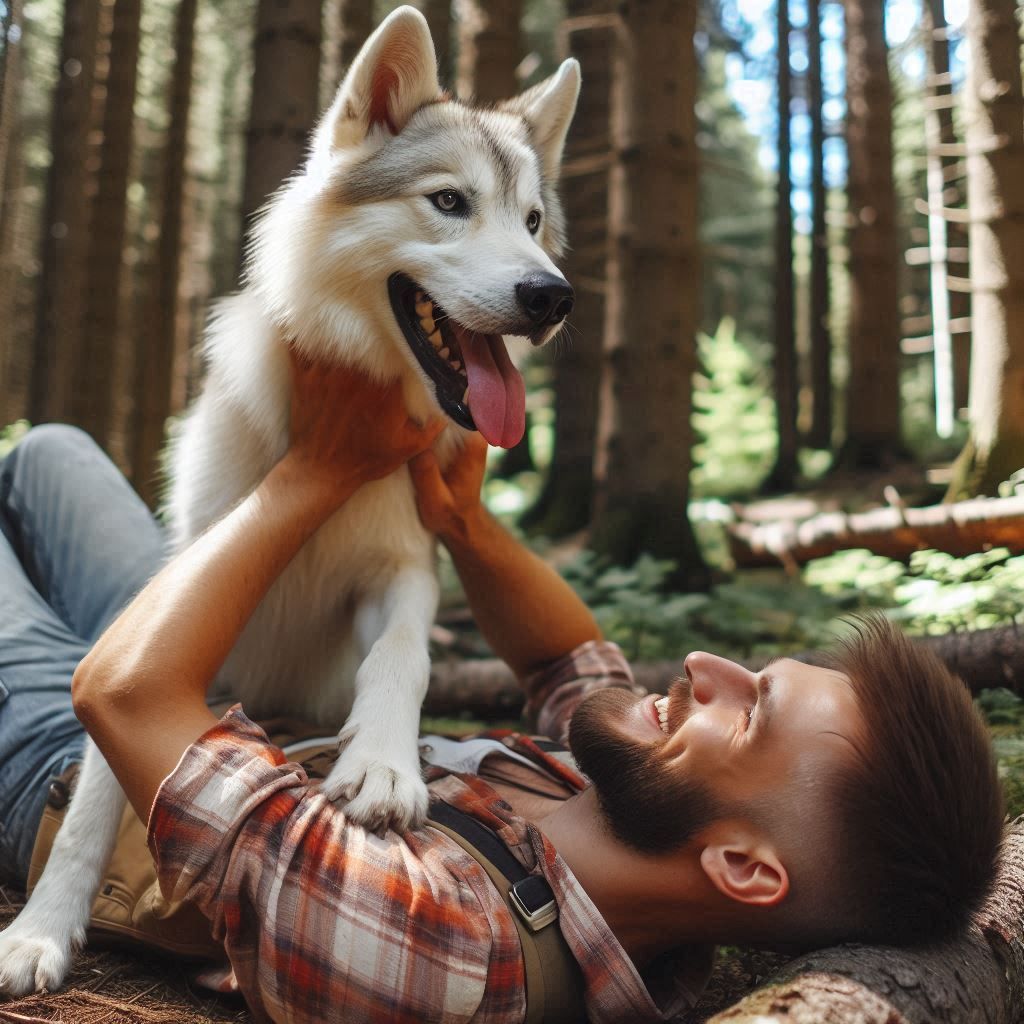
[547, 298]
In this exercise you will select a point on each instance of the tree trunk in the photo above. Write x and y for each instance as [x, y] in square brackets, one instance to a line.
[154, 356]
[439, 18]
[960, 529]
[65, 223]
[91, 404]
[642, 468]
[939, 132]
[11, 206]
[995, 185]
[977, 977]
[564, 505]
[820, 435]
[285, 101]
[873, 389]
[355, 18]
[783, 474]
[486, 688]
[490, 49]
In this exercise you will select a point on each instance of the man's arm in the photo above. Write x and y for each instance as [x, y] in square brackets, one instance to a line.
[528, 614]
[141, 691]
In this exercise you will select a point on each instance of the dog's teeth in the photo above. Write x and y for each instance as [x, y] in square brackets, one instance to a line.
[424, 308]
[456, 365]
[444, 353]
[435, 338]
[427, 323]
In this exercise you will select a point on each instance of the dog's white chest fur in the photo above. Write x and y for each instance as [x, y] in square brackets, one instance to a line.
[301, 650]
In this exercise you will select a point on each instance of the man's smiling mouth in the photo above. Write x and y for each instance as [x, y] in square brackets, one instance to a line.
[474, 379]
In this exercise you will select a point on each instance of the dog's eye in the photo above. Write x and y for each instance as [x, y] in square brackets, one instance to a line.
[533, 222]
[449, 201]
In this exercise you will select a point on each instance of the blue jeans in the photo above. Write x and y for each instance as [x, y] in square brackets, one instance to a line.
[76, 544]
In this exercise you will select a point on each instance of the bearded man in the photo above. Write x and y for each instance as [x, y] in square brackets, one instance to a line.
[852, 798]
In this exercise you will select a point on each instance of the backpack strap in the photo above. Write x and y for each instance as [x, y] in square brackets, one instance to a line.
[554, 982]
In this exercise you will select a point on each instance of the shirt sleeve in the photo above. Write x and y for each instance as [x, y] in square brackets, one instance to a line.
[554, 692]
[320, 919]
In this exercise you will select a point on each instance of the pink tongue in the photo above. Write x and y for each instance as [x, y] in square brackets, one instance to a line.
[497, 394]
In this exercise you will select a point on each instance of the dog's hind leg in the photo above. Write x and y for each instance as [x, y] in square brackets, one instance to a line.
[36, 950]
[378, 771]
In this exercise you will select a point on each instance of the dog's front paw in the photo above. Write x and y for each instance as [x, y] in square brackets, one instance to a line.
[34, 958]
[378, 791]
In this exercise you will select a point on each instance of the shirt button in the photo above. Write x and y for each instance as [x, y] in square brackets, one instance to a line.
[58, 795]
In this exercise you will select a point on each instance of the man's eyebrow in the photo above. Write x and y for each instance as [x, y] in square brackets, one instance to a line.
[765, 700]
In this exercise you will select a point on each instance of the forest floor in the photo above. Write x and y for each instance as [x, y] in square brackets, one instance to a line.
[120, 987]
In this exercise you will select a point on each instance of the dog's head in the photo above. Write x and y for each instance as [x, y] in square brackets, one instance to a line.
[422, 230]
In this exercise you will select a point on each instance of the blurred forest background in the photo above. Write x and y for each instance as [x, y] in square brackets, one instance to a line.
[793, 384]
[797, 235]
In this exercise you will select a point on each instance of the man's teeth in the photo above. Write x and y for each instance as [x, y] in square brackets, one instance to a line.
[661, 706]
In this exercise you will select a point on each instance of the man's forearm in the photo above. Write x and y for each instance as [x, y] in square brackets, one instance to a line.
[180, 628]
[528, 614]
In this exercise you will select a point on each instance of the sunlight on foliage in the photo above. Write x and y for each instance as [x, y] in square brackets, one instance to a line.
[733, 413]
[11, 435]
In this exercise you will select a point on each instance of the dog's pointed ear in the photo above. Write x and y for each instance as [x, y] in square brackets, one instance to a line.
[548, 108]
[392, 76]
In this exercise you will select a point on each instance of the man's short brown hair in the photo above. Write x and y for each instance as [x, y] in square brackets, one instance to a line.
[920, 814]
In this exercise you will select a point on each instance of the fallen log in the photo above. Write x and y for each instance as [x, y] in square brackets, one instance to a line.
[978, 977]
[486, 688]
[959, 528]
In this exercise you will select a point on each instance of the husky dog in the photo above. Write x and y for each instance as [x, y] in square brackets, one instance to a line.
[419, 233]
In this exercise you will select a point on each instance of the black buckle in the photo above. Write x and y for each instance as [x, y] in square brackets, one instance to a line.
[534, 901]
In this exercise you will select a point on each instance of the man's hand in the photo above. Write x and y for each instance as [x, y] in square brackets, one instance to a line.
[448, 502]
[346, 430]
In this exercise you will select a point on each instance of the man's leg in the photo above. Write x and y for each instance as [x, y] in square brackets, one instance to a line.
[75, 545]
[84, 537]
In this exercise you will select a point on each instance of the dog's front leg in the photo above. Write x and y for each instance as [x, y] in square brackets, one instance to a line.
[35, 951]
[378, 771]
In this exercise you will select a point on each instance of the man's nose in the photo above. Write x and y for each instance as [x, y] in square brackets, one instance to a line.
[714, 678]
[546, 298]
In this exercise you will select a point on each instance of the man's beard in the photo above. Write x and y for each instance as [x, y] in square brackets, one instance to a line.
[648, 805]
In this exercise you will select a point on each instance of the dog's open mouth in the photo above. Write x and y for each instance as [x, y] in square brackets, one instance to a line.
[474, 379]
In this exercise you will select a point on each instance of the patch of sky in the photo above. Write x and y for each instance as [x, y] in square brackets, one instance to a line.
[751, 76]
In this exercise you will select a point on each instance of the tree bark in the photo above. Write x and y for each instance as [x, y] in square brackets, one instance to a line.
[439, 19]
[783, 474]
[65, 223]
[490, 49]
[977, 977]
[643, 461]
[896, 532]
[939, 132]
[355, 19]
[820, 434]
[154, 356]
[995, 185]
[11, 212]
[91, 401]
[486, 688]
[564, 505]
[873, 390]
[285, 101]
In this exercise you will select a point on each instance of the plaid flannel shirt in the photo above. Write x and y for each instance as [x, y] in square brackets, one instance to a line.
[324, 921]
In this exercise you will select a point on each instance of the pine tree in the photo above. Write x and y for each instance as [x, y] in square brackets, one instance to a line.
[873, 390]
[995, 187]
[643, 458]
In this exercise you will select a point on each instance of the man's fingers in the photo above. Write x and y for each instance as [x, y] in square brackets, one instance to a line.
[424, 469]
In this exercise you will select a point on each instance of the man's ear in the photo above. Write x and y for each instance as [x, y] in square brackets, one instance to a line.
[548, 108]
[393, 75]
[746, 871]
